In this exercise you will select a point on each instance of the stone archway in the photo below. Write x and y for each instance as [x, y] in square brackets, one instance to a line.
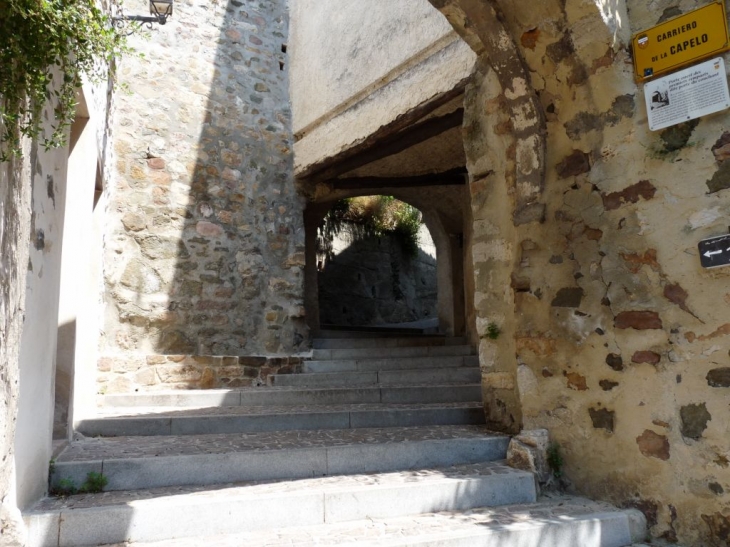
[448, 236]
[509, 169]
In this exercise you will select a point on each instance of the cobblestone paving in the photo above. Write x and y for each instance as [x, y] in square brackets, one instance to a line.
[140, 447]
[376, 532]
[261, 488]
[176, 412]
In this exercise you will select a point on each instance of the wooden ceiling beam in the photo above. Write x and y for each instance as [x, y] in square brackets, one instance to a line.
[452, 177]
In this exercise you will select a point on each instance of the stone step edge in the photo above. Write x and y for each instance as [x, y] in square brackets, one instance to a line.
[318, 418]
[305, 376]
[386, 342]
[396, 364]
[463, 350]
[600, 529]
[607, 528]
[234, 397]
[185, 515]
[259, 464]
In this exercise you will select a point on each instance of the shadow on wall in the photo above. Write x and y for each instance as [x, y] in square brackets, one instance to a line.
[207, 249]
[372, 281]
[204, 250]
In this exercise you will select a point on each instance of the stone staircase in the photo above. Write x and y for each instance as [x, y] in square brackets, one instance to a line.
[379, 442]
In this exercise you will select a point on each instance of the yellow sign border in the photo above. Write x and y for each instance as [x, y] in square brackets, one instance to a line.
[634, 43]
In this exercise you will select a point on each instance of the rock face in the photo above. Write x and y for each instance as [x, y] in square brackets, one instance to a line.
[371, 281]
[205, 220]
[528, 451]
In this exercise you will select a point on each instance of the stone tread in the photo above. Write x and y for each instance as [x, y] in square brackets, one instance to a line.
[374, 532]
[195, 494]
[177, 412]
[95, 449]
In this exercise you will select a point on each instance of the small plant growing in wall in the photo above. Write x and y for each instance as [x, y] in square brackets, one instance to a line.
[65, 487]
[555, 460]
[94, 484]
[493, 331]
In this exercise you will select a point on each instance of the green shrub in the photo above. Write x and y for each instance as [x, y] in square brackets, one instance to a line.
[373, 216]
[37, 35]
[555, 460]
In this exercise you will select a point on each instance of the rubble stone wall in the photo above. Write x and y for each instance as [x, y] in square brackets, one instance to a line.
[620, 336]
[205, 243]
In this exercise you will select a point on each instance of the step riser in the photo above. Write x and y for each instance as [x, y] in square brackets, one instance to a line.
[265, 397]
[209, 469]
[460, 375]
[119, 427]
[611, 530]
[158, 521]
[396, 501]
[374, 365]
[392, 353]
[361, 343]
[182, 399]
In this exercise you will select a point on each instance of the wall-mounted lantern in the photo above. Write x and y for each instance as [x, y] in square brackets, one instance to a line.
[160, 10]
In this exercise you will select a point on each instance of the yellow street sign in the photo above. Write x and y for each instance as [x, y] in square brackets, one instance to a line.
[696, 35]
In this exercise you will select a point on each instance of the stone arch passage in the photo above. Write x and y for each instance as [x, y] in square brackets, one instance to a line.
[369, 280]
[446, 231]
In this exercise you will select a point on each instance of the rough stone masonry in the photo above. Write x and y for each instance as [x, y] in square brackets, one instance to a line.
[204, 247]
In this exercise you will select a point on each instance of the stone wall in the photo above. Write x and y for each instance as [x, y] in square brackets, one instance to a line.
[14, 249]
[621, 337]
[204, 243]
[129, 372]
[371, 281]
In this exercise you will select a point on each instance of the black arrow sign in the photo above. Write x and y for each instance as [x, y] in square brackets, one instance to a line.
[715, 251]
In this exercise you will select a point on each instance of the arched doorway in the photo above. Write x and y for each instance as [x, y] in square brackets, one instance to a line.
[376, 263]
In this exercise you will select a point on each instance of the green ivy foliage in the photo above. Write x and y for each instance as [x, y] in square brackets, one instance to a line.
[374, 216]
[35, 36]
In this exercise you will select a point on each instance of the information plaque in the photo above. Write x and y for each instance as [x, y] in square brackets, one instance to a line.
[690, 93]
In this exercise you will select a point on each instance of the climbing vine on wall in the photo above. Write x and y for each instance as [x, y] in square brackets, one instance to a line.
[35, 36]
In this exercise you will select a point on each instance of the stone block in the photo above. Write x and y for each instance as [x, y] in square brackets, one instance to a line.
[694, 420]
[120, 384]
[638, 320]
[128, 363]
[379, 458]
[647, 357]
[719, 377]
[603, 418]
[146, 377]
[528, 452]
[178, 373]
[499, 380]
[419, 497]
[42, 528]
[206, 469]
[653, 445]
[252, 361]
